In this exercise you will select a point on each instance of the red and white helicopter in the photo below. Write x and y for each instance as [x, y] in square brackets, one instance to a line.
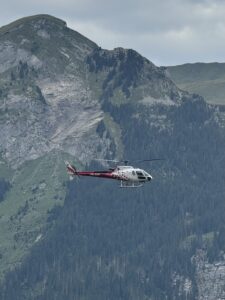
[128, 175]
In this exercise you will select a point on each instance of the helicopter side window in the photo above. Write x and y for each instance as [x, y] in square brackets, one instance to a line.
[133, 173]
[139, 173]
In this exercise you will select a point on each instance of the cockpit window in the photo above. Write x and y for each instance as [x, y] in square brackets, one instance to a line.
[139, 173]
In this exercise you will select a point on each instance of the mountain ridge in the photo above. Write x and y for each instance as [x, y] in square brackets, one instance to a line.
[68, 76]
[206, 79]
[30, 19]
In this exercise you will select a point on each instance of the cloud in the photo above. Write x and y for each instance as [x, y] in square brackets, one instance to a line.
[165, 31]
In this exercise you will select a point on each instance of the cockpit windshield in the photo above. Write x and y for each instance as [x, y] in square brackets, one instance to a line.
[139, 173]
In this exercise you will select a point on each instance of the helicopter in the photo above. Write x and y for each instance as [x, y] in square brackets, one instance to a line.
[127, 175]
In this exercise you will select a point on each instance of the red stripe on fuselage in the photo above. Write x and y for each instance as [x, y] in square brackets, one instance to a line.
[103, 174]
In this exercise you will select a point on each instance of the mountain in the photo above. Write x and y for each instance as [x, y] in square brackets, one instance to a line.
[206, 79]
[65, 98]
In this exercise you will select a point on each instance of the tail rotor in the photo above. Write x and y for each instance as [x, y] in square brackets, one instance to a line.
[71, 170]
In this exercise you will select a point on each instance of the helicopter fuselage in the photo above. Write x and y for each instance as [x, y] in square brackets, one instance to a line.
[128, 175]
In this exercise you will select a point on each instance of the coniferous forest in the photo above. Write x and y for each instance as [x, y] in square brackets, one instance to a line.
[112, 243]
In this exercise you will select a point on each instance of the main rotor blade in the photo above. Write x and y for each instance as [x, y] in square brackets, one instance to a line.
[141, 160]
[102, 159]
[114, 160]
[128, 161]
[153, 159]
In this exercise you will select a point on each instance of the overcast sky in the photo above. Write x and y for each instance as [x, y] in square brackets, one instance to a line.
[167, 32]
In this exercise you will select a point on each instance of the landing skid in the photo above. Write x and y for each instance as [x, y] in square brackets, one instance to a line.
[127, 184]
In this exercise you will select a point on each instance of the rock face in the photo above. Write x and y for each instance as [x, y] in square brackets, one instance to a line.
[210, 277]
[53, 82]
[62, 96]
[46, 102]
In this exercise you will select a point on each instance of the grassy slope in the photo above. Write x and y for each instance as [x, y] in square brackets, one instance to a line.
[36, 188]
[206, 79]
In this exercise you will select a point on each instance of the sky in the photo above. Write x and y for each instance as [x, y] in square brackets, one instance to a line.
[167, 32]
